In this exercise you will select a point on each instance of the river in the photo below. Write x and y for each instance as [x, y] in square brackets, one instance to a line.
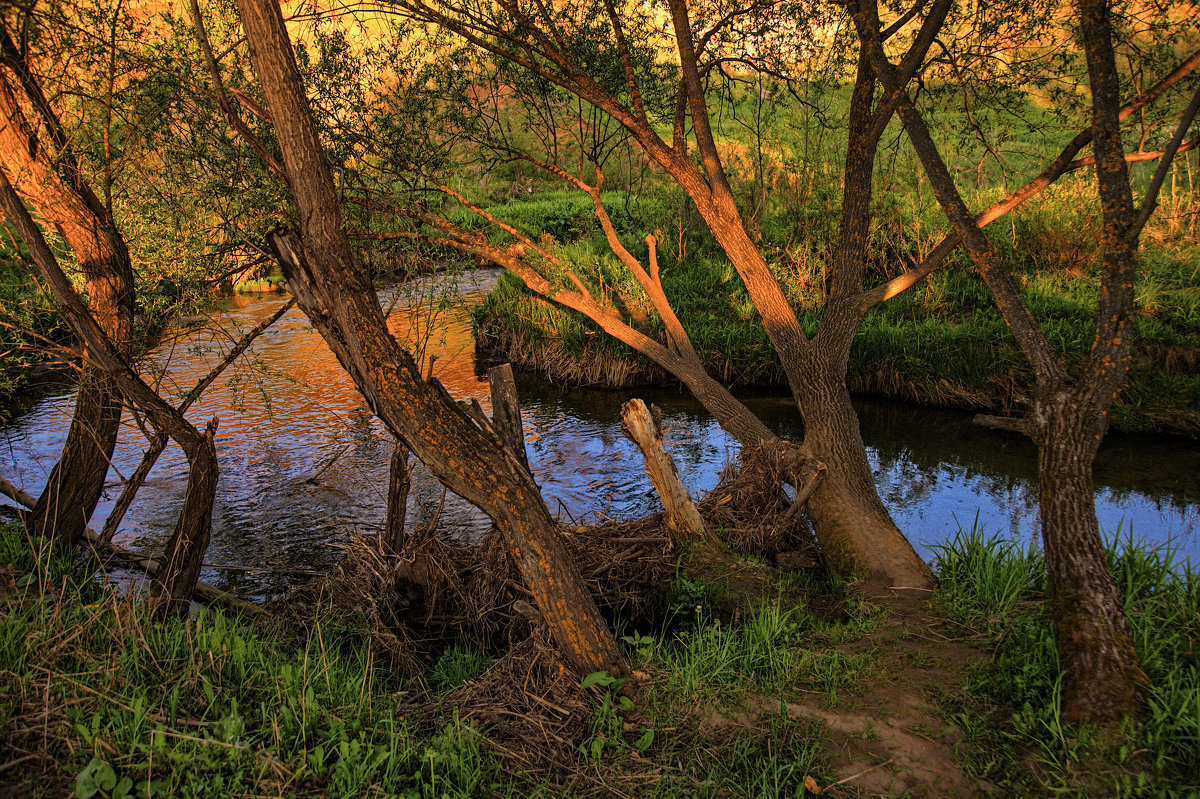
[304, 464]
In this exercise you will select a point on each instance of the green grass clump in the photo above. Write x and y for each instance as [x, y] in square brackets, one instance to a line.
[109, 702]
[1014, 723]
[942, 343]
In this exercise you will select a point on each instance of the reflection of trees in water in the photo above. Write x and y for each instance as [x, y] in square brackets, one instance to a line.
[935, 468]
[1164, 471]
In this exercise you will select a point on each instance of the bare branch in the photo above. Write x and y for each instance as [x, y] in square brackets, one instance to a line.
[218, 92]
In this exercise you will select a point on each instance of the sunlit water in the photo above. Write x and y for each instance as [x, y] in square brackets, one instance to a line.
[304, 464]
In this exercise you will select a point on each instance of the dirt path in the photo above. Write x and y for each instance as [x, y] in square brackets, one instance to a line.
[889, 739]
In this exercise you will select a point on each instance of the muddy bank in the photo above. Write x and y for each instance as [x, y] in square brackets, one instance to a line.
[877, 374]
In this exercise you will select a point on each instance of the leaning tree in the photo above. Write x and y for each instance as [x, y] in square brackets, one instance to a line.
[459, 445]
[615, 59]
[40, 155]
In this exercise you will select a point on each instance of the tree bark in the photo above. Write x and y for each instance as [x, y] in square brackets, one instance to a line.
[336, 294]
[1103, 679]
[855, 530]
[506, 410]
[172, 587]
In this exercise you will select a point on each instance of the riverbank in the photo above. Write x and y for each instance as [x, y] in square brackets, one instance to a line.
[952, 697]
[941, 344]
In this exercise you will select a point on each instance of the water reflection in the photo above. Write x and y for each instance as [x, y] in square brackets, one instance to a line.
[304, 463]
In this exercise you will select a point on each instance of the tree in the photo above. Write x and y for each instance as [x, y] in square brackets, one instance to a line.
[611, 58]
[172, 587]
[460, 446]
[560, 45]
[39, 155]
[1104, 679]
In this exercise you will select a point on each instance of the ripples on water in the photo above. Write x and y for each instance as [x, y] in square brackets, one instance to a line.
[304, 464]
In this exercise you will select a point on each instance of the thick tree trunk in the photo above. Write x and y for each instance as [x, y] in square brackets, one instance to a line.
[336, 294]
[854, 528]
[1103, 677]
[64, 201]
[850, 521]
[77, 479]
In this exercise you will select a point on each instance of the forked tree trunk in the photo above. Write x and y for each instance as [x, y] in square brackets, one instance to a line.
[179, 571]
[336, 294]
[52, 184]
[1103, 676]
[1102, 673]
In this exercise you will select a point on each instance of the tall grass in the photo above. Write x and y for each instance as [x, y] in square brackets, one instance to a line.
[98, 698]
[1019, 739]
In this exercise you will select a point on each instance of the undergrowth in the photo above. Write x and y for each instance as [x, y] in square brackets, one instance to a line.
[1018, 738]
[98, 699]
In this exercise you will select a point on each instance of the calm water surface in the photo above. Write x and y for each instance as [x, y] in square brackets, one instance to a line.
[304, 464]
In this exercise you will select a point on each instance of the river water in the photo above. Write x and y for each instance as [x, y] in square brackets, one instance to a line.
[304, 464]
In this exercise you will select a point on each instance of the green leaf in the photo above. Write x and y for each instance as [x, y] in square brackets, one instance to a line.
[601, 678]
[124, 788]
[625, 703]
[645, 741]
[96, 776]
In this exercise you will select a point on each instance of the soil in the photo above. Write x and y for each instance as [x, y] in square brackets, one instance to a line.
[889, 738]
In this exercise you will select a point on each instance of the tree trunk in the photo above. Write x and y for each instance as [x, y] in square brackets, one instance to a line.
[397, 500]
[56, 189]
[855, 530]
[179, 571]
[336, 294]
[1103, 678]
[173, 586]
[66, 503]
[506, 410]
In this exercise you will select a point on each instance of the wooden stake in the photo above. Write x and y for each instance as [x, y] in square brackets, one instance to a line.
[506, 410]
[397, 500]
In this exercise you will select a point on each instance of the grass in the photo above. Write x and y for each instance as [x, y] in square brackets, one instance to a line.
[1012, 719]
[99, 700]
[942, 343]
[122, 706]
